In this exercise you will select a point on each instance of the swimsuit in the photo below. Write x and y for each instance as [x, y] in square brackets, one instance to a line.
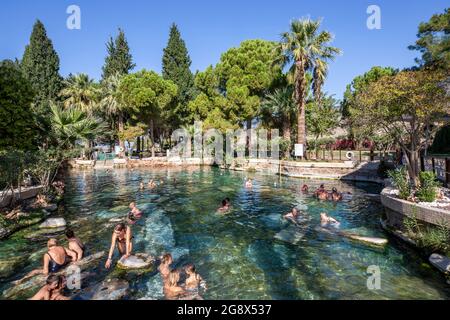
[53, 266]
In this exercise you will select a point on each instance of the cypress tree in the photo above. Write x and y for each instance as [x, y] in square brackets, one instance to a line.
[40, 66]
[119, 59]
[176, 67]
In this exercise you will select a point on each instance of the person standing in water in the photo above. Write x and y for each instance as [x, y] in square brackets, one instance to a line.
[57, 257]
[194, 280]
[172, 290]
[122, 238]
[164, 267]
[225, 206]
[292, 216]
[249, 184]
[75, 244]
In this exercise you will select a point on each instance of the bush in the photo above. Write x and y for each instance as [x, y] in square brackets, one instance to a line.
[427, 191]
[436, 239]
[401, 182]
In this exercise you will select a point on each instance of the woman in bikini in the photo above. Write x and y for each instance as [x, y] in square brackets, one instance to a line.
[75, 244]
[194, 280]
[121, 238]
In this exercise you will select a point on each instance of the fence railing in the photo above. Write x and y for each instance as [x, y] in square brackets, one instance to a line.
[440, 165]
[360, 155]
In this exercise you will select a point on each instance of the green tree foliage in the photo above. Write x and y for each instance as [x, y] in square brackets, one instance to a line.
[322, 118]
[147, 95]
[176, 65]
[40, 66]
[434, 41]
[119, 59]
[305, 49]
[18, 129]
[404, 105]
[80, 92]
[245, 74]
[360, 83]
[210, 106]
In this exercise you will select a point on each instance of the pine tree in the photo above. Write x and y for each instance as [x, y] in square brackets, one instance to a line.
[176, 67]
[40, 66]
[119, 59]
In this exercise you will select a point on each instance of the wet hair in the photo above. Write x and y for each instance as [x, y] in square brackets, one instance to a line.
[166, 257]
[322, 186]
[70, 234]
[119, 227]
[53, 278]
[224, 202]
[174, 277]
[52, 242]
[190, 268]
[131, 217]
[334, 190]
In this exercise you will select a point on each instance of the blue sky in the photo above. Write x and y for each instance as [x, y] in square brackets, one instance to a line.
[210, 27]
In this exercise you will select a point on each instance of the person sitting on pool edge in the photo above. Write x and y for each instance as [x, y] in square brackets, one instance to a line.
[164, 267]
[57, 257]
[75, 244]
[52, 289]
[135, 210]
[327, 221]
[122, 236]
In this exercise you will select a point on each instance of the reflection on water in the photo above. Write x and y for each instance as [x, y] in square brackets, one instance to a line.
[239, 254]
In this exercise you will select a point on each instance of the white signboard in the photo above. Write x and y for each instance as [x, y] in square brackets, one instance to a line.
[299, 150]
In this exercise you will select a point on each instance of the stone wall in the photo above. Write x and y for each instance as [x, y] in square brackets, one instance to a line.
[397, 209]
[26, 193]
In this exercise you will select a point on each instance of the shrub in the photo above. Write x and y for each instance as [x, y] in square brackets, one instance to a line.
[427, 191]
[401, 182]
[436, 239]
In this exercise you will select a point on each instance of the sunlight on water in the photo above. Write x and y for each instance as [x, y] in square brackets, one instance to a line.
[249, 253]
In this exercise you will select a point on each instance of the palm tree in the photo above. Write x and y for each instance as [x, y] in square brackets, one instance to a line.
[72, 125]
[278, 109]
[319, 74]
[111, 105]
[300, 49]
[80, 92]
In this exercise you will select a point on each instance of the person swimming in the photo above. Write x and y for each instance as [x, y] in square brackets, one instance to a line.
[305, 188]
[164, 267]
[225, 206]
[75, 244]
[52, 289]
[193, 280]
[327, 221]
[335, 195]
[172, 290]
[248, 184]
[57, 257]
[135, 210]
[121, 237]
[292, 216]
[141, 186]
[151, 184]
[321, 193]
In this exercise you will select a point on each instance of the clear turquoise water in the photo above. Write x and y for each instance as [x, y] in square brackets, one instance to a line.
[237, 254]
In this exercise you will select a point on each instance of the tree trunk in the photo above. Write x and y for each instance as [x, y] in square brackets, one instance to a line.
[287, 135]
[300, 91]
[152, 136]
[249, 136]
[121, 142]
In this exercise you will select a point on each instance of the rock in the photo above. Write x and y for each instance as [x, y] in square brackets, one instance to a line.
[3, 233]
[116, 220]
[137, 261]
[53, 223]
[51, 207]
[111, 290]
[440, 262]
